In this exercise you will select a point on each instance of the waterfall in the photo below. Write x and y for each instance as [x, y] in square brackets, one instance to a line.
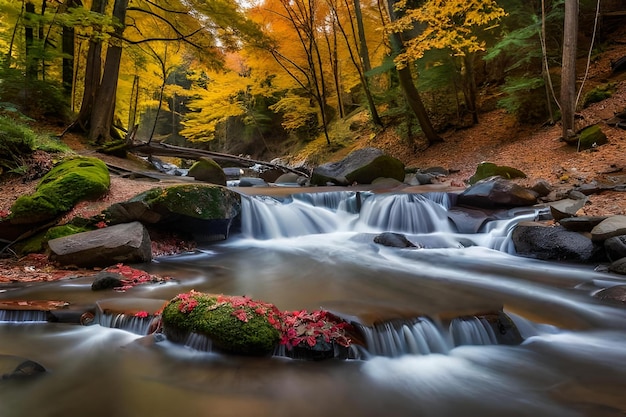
[472, 331]
[407, 213]
[266, 217]
[133, 324]
[19, 316]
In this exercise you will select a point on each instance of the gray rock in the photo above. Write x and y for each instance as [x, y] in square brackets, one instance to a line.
[539, 241]
[496, 192]
[105, 280]
[566, 208]
[615, 247]
[616, 294]
[123, 243]
[26, 369]
[288, 178]
[582, 223]
[395, 240]
[612, 226]
[542, 188]
[361, 166]
[618, 267]
[252, 182]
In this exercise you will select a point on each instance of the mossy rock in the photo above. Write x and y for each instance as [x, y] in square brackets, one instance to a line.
[207, 170]
[205, 202]
[38, 242]
[591, 137]
[213, 317]
[489, 169]
[71, 181]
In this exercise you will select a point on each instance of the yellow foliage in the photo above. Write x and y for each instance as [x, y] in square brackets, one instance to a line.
[297, 111]
[446, 24]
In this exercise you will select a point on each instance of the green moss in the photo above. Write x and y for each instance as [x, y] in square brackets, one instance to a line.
[489, 169]
[62, 231]
[216, 320]
[598, 94]
[591, 137]
[197, 201]
[60, 189]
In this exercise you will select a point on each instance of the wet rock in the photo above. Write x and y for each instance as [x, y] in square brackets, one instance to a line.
[582, 223]
[105, 280]
[566, 208]
[207, 170]
[554, 243]
[362, 167]
[541, 187]
[467, 220]
[252, 182]
[496, 192]
[394, 240]
[123, 243]
[612, 226]
[25, 370]
[616, 294]
[615, 247]
[204, 212]
[488, 169]
[618, 267]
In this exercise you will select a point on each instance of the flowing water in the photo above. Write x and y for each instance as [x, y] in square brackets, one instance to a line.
[426, 354]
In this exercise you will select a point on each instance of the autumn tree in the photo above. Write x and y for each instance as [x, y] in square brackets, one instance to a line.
[568, 68]
[454, 25]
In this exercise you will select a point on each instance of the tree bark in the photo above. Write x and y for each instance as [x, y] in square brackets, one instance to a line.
[568, 68]
[93, 72]
[102, 114]
[411, 94]
[29, 36]
[67, 47]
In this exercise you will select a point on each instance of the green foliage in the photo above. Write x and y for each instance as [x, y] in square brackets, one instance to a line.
[525, 98]
[35, 98]
[601, 92]
[17, 142]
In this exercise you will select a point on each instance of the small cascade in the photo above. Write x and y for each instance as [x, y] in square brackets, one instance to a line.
[130, 323]
[199, 342]
[21, 316]
[407, 213]
[346, 201]
[472, 331]
[265, 217]
[397, 338]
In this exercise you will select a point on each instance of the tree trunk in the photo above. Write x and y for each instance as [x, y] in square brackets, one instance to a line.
[29, 36]
[67, 47]
[568, 68]
[469, 85]
[408, 88]
[93, 72]
[363, 50]
[101, 120]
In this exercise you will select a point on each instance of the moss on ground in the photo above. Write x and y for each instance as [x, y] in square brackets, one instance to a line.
[66, 184]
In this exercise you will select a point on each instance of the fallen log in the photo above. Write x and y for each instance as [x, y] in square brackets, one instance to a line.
[162, 149]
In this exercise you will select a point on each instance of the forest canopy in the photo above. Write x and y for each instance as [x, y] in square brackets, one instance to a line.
[258, 74]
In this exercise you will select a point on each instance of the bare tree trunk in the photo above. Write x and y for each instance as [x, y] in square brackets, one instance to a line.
[67, 47]
[363, 50]
[29, 36]
[568, 68]
[101, 120]
[410, 91]
[93, 72]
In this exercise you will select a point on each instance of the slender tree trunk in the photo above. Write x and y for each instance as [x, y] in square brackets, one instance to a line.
[411, 94]
[67, 47]
[469, 85]
[42, 41]
[568, 68]
[101, 120]
[93, 72]
[29, 36]
[363, 50]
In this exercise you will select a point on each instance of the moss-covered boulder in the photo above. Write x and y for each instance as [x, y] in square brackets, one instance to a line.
[237, 325]
[207, 170]
[69, 182]
[205, 212]
[489, 169]
[362, 167]
[589, 137]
